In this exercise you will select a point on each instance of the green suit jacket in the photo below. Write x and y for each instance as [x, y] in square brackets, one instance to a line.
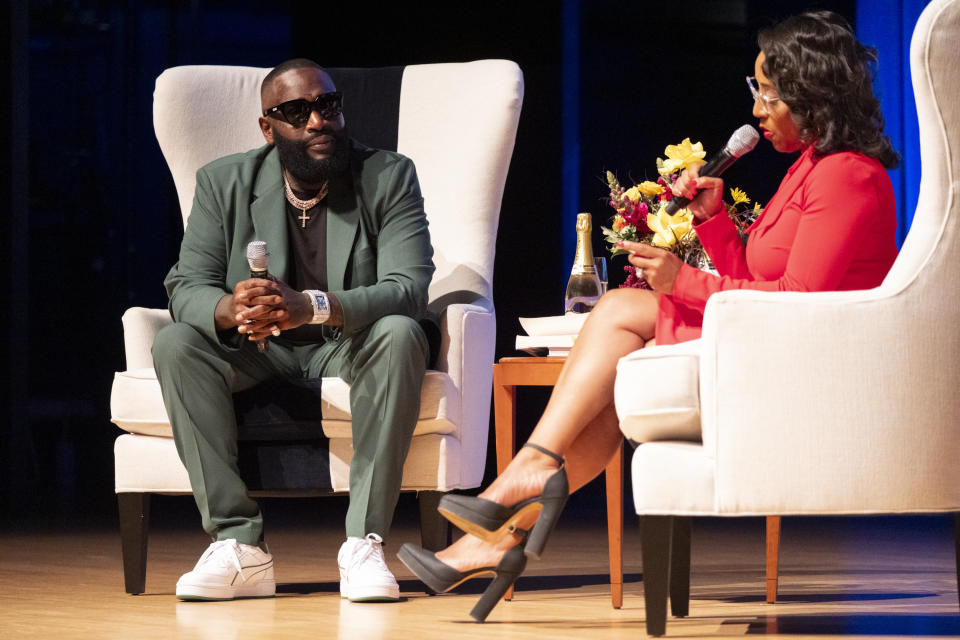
[379, 258]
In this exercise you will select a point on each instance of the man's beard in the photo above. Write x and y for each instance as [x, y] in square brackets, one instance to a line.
[296, 159]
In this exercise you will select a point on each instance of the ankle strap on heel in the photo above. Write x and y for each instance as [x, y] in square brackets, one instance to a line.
[559, 459]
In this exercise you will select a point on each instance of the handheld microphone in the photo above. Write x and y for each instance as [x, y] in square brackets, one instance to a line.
[742, 141]
[257, 257]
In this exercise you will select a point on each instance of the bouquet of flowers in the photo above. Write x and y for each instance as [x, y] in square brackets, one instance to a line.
[641, 215]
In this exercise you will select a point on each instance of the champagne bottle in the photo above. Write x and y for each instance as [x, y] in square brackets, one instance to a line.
[583, 287]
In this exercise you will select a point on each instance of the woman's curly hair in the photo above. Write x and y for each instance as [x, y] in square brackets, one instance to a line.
[825, 76]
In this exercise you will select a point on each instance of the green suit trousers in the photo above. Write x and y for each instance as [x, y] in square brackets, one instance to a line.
[384, 366]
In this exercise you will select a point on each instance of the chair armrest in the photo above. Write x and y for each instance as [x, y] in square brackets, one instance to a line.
[823, 397]
[467, 342]
[656, 393]
[140, 326]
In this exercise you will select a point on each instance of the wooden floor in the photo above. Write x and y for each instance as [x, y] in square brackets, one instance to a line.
[853, 578]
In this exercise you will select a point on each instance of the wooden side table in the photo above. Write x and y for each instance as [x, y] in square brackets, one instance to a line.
[510, 373]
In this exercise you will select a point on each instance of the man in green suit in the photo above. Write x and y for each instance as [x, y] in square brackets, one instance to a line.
[350, 262]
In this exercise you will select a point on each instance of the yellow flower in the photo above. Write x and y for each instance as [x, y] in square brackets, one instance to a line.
[618, 223]
[680, 156]
[648, 188]
[739, 196]
[756, 206]
[667, 229]
[633, 194]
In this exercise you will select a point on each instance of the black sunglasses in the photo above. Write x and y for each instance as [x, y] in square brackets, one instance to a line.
[297, 112]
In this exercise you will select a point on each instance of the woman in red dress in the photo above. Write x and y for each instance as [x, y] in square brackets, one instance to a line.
[830, 226]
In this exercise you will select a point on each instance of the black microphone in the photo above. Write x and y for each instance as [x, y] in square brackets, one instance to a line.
[742, 141]
[257, 257]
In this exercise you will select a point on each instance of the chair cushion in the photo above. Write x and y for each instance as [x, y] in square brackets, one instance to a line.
[136, 405]
[433, 463]
[657, 393]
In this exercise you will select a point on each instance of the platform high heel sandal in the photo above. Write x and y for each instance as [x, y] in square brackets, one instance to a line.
[491, 521]
[441, 577]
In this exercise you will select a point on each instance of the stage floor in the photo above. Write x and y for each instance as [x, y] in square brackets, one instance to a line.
[855, 577]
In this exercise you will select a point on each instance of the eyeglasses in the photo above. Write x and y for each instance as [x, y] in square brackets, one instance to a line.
[297, 112]
[766, 102]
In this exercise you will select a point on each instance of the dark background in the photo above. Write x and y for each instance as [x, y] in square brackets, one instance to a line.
[92, 217]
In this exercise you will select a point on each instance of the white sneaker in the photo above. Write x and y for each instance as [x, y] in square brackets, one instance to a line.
[364, 576]
[228, 570]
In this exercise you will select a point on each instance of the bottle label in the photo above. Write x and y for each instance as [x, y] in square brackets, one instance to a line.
[579, 269]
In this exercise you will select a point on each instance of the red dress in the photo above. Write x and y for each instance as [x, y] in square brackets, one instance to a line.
[829, 227]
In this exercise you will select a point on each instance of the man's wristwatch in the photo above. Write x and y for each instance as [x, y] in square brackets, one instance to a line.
[320, 304]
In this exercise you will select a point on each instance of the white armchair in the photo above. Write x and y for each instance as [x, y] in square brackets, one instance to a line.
[458, 123]
[831, 403]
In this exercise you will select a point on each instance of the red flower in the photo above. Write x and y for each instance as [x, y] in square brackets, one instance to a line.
[632, 281]
[637, 216]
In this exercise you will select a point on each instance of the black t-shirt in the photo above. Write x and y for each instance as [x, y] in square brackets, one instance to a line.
[308, 263]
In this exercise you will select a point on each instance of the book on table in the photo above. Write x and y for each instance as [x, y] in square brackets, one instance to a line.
[551, 335]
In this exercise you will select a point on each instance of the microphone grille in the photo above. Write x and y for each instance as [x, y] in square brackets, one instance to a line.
[743, 140]
[257, 255]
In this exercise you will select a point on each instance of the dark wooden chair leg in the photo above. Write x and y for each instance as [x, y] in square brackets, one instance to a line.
[680, 568]
[655, 550]
[956, 544]
[434, 528]
[773, 558]
[134, 527]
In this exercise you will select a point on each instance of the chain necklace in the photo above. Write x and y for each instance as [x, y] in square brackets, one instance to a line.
[303, 205]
